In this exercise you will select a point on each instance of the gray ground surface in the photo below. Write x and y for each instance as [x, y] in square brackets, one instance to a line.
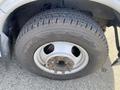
[13, 77]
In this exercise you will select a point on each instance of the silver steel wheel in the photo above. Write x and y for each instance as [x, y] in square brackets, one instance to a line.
[61, 58]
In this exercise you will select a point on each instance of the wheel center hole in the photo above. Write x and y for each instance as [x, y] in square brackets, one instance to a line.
[61, 63]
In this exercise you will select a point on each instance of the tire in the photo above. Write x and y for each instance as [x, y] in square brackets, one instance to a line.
[61, 25]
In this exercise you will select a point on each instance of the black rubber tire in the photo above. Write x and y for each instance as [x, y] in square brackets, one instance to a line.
[62, 25]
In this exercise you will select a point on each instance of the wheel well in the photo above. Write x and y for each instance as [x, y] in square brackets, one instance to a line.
[102, 14]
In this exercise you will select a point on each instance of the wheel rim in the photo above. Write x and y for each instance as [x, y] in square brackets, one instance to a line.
[61, 58]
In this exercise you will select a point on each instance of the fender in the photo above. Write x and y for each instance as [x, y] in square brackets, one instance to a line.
[114, 4]
[4, 13]
[8, 6]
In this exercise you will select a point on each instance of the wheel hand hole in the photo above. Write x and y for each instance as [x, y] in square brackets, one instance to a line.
[49, 49]
[75, 51]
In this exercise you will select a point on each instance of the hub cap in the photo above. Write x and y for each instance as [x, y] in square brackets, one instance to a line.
[61, 58]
